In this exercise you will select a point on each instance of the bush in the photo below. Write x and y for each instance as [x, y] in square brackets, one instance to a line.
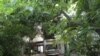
[1, 51]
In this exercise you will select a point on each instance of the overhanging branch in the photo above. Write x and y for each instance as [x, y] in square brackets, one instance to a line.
[65, 14]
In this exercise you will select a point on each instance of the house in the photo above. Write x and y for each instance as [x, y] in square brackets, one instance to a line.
[41, 45]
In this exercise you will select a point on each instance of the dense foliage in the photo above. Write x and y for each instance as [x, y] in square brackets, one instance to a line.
[78, 28]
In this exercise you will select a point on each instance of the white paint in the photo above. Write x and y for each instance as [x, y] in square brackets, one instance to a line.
[40, 48]
[38, 38]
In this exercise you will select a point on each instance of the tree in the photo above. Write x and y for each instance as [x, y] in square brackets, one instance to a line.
[78, 29]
